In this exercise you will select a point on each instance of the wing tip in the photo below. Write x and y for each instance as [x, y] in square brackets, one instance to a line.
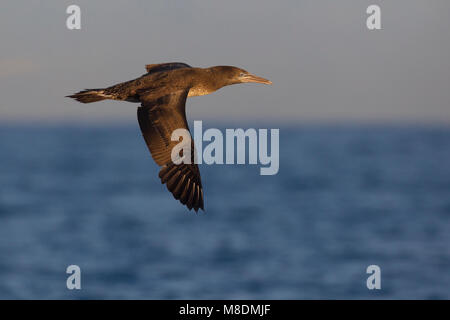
[183, 187]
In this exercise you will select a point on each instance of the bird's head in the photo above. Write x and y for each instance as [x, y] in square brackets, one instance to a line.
[232, 75]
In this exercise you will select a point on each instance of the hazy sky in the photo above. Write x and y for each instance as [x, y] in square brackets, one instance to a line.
[324, 63]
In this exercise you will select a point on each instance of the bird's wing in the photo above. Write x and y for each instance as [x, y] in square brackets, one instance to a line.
[152, 68]
[157, 120]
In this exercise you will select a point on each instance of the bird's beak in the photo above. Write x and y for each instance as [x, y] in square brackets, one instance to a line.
[252, 78]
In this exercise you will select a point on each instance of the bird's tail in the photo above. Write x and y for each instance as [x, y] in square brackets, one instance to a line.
[90, 95]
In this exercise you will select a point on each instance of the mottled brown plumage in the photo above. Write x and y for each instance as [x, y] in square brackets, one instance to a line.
[162, 92]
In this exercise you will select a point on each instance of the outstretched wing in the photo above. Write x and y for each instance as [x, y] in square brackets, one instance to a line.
[157, 120]
[152, 68]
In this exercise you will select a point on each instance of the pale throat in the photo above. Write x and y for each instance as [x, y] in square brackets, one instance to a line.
[199, 90]
[203, 87]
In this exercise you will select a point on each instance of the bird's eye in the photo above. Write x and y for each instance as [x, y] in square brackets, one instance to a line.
[242, 74]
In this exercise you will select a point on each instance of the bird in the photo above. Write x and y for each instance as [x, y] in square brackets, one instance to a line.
[162, 92]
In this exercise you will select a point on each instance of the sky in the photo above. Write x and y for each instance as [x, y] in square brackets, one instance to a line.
[325, 65]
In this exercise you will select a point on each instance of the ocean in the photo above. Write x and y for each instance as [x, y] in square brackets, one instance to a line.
[346, 197]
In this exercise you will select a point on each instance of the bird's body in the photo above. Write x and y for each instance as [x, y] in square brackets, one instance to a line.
[197, 80]
[162, 92]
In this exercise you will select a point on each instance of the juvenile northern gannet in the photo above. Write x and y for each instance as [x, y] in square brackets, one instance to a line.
[162, 92]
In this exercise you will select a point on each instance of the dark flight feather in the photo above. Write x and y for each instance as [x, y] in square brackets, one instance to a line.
[157, 120]
[153, 68]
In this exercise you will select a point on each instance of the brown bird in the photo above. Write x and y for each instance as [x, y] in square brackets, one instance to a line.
[162, 92]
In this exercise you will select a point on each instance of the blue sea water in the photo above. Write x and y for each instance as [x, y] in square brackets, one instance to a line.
[345, 197]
